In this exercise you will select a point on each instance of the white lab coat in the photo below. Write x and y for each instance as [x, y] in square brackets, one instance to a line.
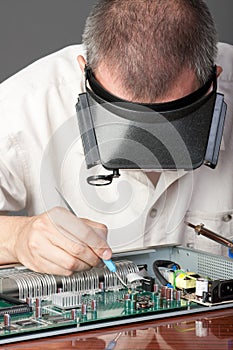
[40, 149]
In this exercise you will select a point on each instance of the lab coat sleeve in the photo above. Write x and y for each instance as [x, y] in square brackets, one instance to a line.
[34, 103]
[12, 189]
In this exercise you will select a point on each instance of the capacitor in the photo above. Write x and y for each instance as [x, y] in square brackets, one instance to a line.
[130, 305]
[133, 296]
[29, 301]
[38, 302]
[93, 305]
[155, 288]
[156, 300]
[163, 292]
[201, 286]
[169, 294]
[7, 320]
[38, 312]
[101, 286]
[84, 309]
[177, 295]
[154, 296]
[74, 314]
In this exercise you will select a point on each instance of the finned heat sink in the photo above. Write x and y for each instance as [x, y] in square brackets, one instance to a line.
[23, 283]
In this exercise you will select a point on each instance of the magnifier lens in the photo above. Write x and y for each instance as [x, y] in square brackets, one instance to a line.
[100, 180]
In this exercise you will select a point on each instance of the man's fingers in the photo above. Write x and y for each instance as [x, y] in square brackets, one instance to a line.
[75, 248]
[58, 242]
[78, 229]
[60, 263]
[101, 229]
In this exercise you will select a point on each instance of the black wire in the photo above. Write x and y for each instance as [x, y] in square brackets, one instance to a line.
[163, 263]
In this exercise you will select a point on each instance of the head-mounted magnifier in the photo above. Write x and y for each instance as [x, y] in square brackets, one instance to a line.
[118, 134]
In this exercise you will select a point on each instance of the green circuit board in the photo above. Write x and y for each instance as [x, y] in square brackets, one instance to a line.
[103, 306]
[35, 305]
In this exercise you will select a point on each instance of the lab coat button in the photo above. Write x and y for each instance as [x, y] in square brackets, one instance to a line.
[227, 218]
[190, 245]
[153, 213]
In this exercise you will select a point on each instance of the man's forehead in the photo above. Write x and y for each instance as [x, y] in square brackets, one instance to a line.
[185, 84]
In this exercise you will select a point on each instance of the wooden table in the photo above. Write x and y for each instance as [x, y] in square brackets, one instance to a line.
[209, 331]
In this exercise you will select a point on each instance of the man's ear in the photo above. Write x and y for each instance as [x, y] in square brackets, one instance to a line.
[219, 70]
[82, 62]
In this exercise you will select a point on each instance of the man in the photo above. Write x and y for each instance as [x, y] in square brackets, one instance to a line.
[141, 51]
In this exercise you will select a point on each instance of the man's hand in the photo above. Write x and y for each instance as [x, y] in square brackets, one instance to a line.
[58, 242]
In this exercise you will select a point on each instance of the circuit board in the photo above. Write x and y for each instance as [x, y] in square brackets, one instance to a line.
[104, 306]
[34, 305]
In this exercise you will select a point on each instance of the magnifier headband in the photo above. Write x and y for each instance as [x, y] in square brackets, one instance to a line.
[106, 96]
[181, 134]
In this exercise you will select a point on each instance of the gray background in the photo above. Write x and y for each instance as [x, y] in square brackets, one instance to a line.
[30, 29]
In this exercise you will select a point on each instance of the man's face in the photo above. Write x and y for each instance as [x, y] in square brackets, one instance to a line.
[184, 85]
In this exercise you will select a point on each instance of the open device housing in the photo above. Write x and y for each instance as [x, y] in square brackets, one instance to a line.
[47, 305]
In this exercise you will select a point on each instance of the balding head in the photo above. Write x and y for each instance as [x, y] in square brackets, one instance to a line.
[147, 44]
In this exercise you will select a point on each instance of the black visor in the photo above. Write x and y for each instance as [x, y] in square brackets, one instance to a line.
[181, 134]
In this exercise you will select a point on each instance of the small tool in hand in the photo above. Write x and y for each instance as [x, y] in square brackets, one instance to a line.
[109, 263]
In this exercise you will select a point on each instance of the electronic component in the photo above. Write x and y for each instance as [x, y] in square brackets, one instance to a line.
[183, 279]
[47, 304]
[26, 323]
[66, 300]
[148, 283]
[220, 291]
[12, 306]
[212, 292]
[202, 286]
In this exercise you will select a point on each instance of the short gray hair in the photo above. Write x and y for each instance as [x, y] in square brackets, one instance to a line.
[147, 43]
